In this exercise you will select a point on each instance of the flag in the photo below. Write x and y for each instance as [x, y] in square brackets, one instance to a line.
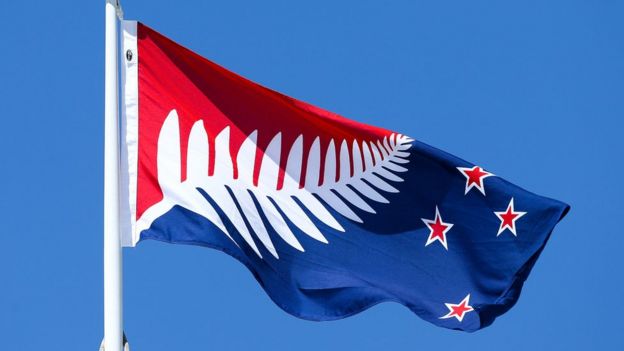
[331, 216]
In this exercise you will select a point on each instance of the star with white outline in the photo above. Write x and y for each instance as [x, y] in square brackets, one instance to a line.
[458, 310]
[438, 229]
[474, 178]
[508, 218]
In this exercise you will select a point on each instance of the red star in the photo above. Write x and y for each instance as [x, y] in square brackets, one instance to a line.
[458, 310]
[438, 229]
[474, 178]
[508, 218]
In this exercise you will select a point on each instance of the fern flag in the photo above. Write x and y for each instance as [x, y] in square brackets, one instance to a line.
[330, 215]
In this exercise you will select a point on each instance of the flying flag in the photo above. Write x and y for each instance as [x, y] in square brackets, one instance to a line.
[330, 215]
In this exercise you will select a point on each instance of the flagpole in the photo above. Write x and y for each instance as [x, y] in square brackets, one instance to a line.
[113, 324]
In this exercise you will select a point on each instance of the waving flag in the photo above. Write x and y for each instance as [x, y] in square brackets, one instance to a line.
[330, 215]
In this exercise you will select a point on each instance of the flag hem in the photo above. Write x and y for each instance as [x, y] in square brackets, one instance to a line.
[129, 132]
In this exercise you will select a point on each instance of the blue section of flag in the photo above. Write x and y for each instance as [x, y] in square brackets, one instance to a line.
[385, 257]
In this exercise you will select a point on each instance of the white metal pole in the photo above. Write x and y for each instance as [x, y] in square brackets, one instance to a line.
[113, 324]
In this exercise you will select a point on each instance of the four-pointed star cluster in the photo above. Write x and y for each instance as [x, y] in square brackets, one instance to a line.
[438, 229]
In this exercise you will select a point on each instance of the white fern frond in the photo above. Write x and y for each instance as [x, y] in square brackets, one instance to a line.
[375, 164]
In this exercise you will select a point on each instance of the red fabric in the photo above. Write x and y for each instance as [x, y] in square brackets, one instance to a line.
[173, 77]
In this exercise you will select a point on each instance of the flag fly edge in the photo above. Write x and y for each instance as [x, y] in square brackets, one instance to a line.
[129, 132]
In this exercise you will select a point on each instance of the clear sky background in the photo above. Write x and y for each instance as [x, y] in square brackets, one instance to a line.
[531, 90]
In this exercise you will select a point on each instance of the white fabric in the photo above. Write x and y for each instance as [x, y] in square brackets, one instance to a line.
[129, 132]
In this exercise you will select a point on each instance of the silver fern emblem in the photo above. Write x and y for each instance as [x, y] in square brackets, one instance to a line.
[382, 161]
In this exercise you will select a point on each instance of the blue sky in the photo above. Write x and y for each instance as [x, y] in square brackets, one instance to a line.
[530, 90]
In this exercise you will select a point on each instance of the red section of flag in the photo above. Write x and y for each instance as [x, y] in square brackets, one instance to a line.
[173, 77]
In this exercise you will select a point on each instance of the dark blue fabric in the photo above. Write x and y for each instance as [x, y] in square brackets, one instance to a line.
[385, 258]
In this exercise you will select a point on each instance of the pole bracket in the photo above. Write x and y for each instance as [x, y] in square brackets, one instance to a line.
[126, 345]
[118, 8]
